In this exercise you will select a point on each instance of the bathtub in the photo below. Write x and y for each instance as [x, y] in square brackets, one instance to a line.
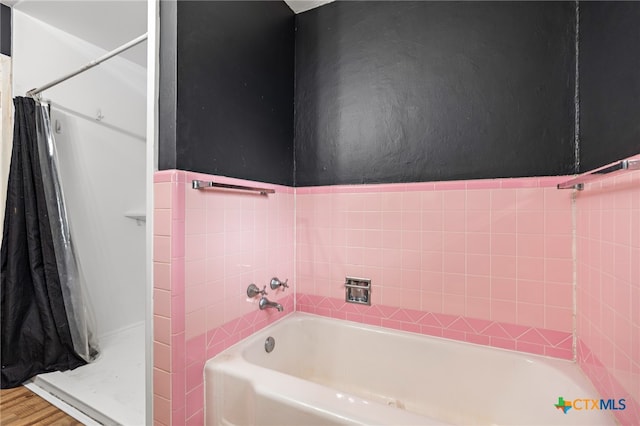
[332, 372]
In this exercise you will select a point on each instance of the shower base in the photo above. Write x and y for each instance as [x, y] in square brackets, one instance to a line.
[111, 389]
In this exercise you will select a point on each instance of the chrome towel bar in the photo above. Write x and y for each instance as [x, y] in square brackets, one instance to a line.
[600, 173]
[203, 184]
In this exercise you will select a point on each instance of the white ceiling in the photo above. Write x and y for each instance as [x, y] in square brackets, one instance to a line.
[105, 23]
[109, 23]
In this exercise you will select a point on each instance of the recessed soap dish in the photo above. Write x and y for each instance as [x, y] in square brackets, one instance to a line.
[357, 290]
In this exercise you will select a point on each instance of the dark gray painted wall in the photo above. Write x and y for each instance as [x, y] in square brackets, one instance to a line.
[609, 82]
[5, 30]
[420, 91]
[168, 83]
[235, 74]
[401, 91]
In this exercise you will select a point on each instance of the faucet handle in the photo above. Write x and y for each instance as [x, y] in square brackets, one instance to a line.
[275, 283]
[253, 290]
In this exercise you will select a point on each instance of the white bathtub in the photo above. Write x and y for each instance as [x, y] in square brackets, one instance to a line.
[329, 372]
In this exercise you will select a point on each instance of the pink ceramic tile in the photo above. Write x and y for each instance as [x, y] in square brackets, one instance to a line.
[479, 243]
[503, 266]
[162, 276]
[454, 200]
[530, 348]
[432, 200]
[162, 249]
[432, 220]
[178, 356]
[503, 311]
[558, 352]
[161, 410]
[194, 401]
[503, 288]
[162, 329]
[530, 314]
[163, 176]
[177, 239]
[411, 201]
[503, 244]
[177, 276]
[195, 272]
[530, 222]
[478, 200]
[558, 222]
[454, 221]
[558, 318]
[530, 268]
[531, 245]
[530, 199]
[450, 185]
[162, 383]
[411, 221]
[162, 303]
[503, 343]
[195, 221]
[162, 356]
[454, 304]
[532, 292]
[478, 221]
[503, 200]
[194, 375]
[503, 221]
[177, 201]
[558, 246]
[519, 183]
[559, 270]
[454, 242]
[392, 220]
[478, 286]
[454, 263]
[195, 247]
[162, 222]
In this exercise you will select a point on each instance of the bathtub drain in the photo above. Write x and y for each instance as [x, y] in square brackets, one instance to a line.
[269, 344]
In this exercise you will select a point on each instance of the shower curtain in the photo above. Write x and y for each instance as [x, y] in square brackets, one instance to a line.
[46, 324]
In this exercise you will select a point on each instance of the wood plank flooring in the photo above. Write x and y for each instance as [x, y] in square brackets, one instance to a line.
[21, 407]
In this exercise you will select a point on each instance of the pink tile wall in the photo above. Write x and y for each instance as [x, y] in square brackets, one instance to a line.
[486, 262]
[608, 285]
[208, 247]
[492, 250]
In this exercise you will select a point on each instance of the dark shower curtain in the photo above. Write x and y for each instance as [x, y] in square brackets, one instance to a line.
[35, 334]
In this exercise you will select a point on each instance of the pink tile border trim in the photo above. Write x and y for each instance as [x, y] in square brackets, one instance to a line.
[524, 182]
[607, 386]
[528, 182]
[539, 341]
[185, 176]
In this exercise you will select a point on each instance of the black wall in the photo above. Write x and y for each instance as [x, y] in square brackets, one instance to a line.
[609, 61]
[420, 91]
[5, 30]
[396, 91]
[168, 87]
[235, 77]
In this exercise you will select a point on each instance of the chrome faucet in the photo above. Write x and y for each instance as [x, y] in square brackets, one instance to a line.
[275, 283]
[265, 303]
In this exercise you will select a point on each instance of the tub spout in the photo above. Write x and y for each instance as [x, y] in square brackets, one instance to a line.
[265, 303]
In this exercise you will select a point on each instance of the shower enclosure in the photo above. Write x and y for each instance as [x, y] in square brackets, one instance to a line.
[98, 120]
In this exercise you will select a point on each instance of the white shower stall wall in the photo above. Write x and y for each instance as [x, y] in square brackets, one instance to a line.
[100, 122]
[101, 147]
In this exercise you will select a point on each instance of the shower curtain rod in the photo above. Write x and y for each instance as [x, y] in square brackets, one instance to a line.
[31, 93]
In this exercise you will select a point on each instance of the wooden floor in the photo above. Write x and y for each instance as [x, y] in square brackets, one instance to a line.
[21, 407]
